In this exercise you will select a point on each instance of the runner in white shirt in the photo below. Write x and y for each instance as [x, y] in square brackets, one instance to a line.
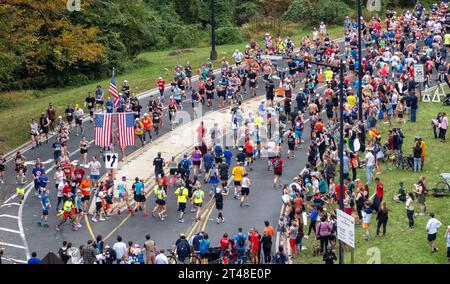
[237, 55]
[95, 167]
[79, 113]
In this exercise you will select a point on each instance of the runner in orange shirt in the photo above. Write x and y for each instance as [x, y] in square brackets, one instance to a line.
[85, 187]
[146, 123]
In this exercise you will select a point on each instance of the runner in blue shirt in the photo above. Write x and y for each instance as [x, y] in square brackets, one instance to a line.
[139, 197]
[45, 205]
[43, 182]
[37, 172]
[228, 155]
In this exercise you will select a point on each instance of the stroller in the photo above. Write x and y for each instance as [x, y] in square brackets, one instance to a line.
[447, 100]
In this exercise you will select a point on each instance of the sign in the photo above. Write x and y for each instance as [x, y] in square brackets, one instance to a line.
[419, 74]
[111, 160]
[271, 57]
[346, 228]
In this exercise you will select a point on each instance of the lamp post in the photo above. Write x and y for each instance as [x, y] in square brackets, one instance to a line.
[360, 100]
[213, 55]
[341, 151]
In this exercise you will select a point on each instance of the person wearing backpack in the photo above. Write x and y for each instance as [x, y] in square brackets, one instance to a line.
[197, 196]
[241, 243]
[204, 248]
[186, 164]
[280, 257]
[183, 250]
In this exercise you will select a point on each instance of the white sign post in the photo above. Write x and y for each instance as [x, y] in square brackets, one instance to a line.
[346, 228]
[111, 160]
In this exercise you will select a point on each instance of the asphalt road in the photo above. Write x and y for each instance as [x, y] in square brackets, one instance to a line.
[20, 235]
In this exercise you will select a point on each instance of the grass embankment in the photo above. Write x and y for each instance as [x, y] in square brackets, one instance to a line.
[402, 245]
[17, 108]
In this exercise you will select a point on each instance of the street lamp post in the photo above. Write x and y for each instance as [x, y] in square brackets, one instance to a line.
[341, 151]
[213, 55]
[360, 100]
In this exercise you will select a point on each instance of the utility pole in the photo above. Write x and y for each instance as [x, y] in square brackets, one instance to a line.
[341, 151]
[213, 55]
[360, 100]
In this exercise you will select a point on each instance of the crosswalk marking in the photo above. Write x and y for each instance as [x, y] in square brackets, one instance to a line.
[9, 216]
[11, 245]
[9, 230]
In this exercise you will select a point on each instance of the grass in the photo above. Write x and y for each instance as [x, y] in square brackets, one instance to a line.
[17, 108]
[401, 245]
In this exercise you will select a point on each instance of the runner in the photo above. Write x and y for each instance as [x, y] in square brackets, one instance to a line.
[245, 190]
[182, 195]
[79, 113]
[139, 197]
[84, 150]
[237, 172]
[34, 132]
[198, 195]
[160, 199]
[218, 198]
[89, 102]
[21, 180]
[94, 167]
[278, 165]
[44, 123]
[67, 214]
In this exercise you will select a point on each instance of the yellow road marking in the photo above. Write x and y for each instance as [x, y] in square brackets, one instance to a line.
[207, 218]
[88, 226]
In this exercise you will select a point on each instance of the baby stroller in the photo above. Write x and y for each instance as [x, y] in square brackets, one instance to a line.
[214, 255]
[447, 100]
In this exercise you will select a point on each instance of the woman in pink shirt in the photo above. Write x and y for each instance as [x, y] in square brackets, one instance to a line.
[323, 233]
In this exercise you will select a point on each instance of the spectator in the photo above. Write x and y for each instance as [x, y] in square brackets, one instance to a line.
[280, 257]
[443, 127]
[432, 227]
[382, 218]
[323, 233]
[88, 253]
[121, 249]
[161, 258]
[34, 259]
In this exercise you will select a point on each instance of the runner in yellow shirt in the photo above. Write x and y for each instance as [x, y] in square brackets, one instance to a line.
[238, 172]
[198, 195]
[182, 197]
[351, 100]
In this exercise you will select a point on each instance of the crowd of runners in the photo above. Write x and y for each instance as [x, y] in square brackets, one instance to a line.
[274, 131]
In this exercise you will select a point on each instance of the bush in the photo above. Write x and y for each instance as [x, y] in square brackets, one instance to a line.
[227, 35]
[247, 11]
[313, 12]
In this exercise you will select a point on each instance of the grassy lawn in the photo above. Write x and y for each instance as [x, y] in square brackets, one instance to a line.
[400, 244]
[17, 108]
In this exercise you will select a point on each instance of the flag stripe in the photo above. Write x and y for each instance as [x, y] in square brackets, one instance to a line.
[103, 129]
[113, 90]
[125, 122]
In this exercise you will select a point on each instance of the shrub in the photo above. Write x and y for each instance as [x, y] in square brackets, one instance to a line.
[227, 35]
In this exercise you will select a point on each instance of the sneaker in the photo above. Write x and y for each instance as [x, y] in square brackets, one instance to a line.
[102, 219]
[79, 225]
[39, 223]
[160, 216]
[146, 214]
[74, 228]
[45, 225]
[181, 220]
[57, 228]
[217, 220]
[246, 204]
[306, 237]
[94, 220]
[223, 219]
[193, 210]
[118, 212]
[242, 204]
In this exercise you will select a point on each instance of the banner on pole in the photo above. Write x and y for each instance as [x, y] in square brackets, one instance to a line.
[346, 228]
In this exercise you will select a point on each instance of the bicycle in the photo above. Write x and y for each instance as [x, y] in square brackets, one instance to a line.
[403, 163]
[172, 257]
[442, 188]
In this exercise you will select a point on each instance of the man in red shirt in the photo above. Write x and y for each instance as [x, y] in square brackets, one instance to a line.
[380, 190]
[277, 164]
[67, 169]
[249, 153]
[161, 85]
[79, 173]
[67, 191]
[254, 246]
[337, 192]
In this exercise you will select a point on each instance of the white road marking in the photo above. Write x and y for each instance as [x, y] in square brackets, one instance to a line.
[9, 230]
[9, 204]
[12, 245]
[9, 216]
[13, 260]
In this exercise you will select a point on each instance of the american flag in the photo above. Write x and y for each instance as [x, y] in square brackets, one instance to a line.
[113, 90]
[125, 122]
[103, 129]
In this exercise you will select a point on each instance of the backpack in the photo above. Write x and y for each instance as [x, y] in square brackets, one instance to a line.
[63, 254]
[185, 164]
[183, 250]
[180, 191]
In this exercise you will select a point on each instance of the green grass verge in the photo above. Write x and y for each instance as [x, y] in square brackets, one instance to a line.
[17, 108]
[400, 244]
